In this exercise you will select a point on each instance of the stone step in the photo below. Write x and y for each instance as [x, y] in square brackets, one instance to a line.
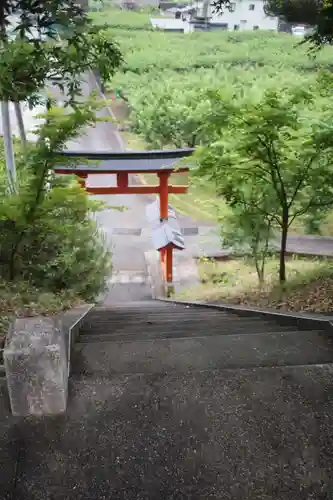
[181, 324]
[108, 320]
[203, 353]
[127, 335]
[138, 304]
[150, 305]
[128, 311]
[126, 292]
[189, 326]
[129, 277]
[148, 319]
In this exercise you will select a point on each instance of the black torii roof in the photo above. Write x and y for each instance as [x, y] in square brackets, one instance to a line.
[127, 161]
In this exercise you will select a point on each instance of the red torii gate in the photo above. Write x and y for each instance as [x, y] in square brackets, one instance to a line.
[123, 164]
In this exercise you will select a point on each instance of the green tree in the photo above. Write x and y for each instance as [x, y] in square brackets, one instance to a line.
[48, 236]
[33, 58]
[315, 13]
[248, 232]
[274, 161]
[296, 11]
[178, 118]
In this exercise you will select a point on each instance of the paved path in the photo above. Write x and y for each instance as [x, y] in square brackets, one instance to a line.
[207, 242]
[104, 136]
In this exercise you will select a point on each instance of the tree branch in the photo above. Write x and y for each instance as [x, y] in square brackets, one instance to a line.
[262, 211]
[276, 163]
[300, 182]
[311, 204]
[272, 164]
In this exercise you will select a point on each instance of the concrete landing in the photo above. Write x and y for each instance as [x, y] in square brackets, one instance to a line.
[264, 434]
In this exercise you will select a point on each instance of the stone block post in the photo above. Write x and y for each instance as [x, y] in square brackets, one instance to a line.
[35, 358]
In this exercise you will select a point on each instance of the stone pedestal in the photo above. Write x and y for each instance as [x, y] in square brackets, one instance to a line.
[35, 360]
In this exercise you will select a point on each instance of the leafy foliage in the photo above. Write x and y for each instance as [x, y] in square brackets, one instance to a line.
[42, 15]
[185, 123]
[23, 71]
[248, 232]
[49, 240]
[146, 51]
[22, 299]
[295, 11]
[31, 56]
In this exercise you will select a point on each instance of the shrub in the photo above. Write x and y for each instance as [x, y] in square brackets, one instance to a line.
[48, 235]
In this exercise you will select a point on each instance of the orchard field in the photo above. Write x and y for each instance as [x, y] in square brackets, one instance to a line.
[175, 73]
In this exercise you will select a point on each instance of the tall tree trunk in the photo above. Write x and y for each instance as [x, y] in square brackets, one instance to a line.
[20, 122]
[8, 143]
[283, 247]
[5, 117]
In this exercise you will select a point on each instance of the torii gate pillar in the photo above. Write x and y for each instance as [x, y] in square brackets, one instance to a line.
[166, 253]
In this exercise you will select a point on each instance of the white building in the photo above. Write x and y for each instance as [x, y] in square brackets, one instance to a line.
[169, 24]
[241, 15]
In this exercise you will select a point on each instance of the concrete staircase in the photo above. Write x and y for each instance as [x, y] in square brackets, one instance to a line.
[168, 402]
[160, 337]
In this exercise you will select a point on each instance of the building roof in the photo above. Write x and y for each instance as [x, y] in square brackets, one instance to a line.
[173, 10]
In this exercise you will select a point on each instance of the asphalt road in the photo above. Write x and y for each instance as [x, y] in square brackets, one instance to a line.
[120, 224]
[104, 136]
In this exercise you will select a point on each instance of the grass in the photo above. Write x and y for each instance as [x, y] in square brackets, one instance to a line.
[124, 19]
[199, 202]
[133, 142]
[309, 287]
[19, 299]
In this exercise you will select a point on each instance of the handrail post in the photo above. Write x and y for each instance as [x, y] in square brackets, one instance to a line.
[168, 270]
